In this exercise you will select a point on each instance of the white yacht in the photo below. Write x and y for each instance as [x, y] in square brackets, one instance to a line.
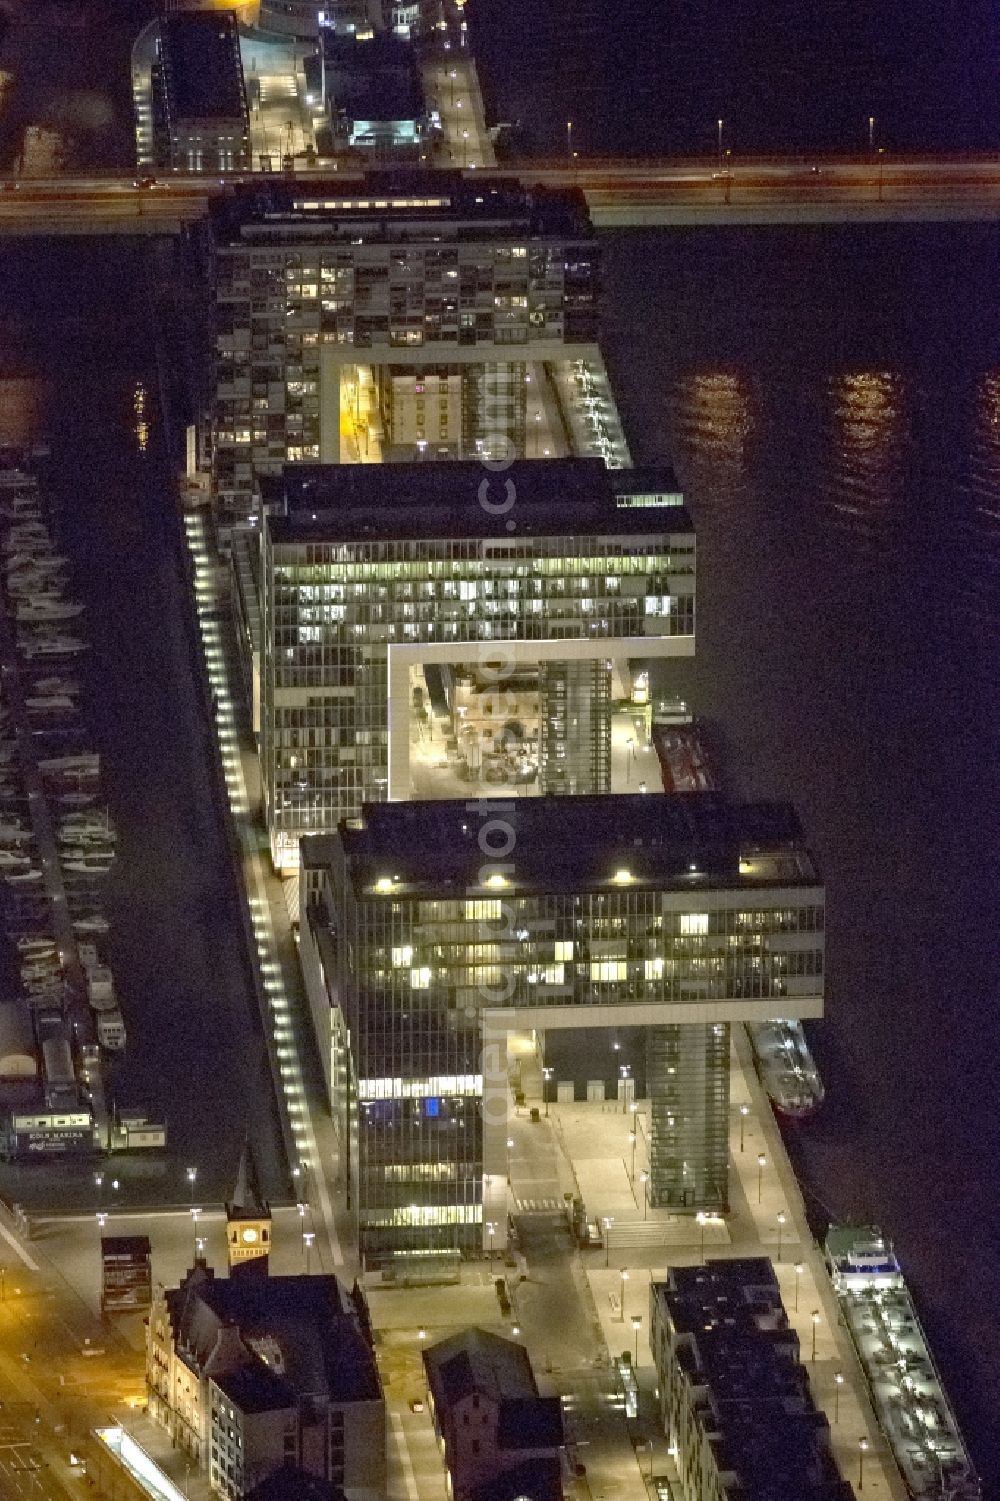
[51, 703]
[37, 562]
[53, 646]
[42, 608]
[87, 763]
[87, 862]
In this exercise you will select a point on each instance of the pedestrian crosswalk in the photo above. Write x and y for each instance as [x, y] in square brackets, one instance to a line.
[538, 1206]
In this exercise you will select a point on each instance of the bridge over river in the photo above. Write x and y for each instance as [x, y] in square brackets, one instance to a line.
[621, 195]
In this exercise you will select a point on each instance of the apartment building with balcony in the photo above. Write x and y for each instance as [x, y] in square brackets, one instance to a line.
[336, 301]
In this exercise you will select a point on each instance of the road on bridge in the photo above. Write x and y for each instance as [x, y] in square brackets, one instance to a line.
[619, 194]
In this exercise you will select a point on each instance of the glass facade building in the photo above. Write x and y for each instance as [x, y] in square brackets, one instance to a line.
[397, 283]
[410, 651]
[433, 930]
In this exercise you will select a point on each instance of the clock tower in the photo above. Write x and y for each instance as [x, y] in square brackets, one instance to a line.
[248, 1221]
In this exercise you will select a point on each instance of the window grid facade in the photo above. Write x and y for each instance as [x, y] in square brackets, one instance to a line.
[331, 610]
[414, 976]
[364, 283]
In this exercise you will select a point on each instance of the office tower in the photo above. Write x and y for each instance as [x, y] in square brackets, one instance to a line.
[415, 643]
[435, 930]
[400, 316]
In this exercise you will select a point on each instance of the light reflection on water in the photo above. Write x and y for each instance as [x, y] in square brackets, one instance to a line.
[713, 423]
[984, 498]
[21, 400]
[864, 470]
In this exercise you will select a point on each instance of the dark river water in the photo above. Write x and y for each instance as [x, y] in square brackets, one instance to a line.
[831, 400]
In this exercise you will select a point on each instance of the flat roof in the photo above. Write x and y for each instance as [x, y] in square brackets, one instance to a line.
[743, 1356]
[355, 502]
[687, 842]
[374, 79]
[202, 68]
[400, 202]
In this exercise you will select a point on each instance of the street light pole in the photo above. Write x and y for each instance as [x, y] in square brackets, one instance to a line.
[636, 1326]
[569, 139]
[607, 1222]
[862, 1450]
[644, 1180]
[781, 1226]
[871, 136]
[838, 1382]
[307, 1241]
[761, 1164]
[701, 1217]
[799, 1269]
[814, 1316]
[720, 125]
[632, 1139]
[744, 1112]
[621, 1311]
[546, 1077]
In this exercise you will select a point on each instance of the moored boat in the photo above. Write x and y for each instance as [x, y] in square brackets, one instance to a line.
[906, 1390]
[786, 1067]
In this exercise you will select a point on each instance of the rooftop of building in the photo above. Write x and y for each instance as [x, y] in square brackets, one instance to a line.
[289, 1483]
[308, 1329]
[743, 1361]
[535, 1479]
[397, 204]
[247, 1202]
[372, 79]
[255, 1388]
[132, 1246]
[687, 842]
[201, 60]
[449, 499]
[476, 1363]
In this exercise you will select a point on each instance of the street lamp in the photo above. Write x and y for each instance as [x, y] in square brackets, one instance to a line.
[838, 1380]
[862, 1451]
[644, 1180]
[102, 1219]
[192, 1174]
[632, 1139]
[607, 1222]
[799, 1269]
[636, 1326]
[510, 1146]
[546, 1080]
[814, 1316]
[421, 1334]
[781, 1226]
[195, 1216]
[744, 1112]
[307, 1241]
[569, 139]
[491, 1230]
[720, 124]
[871, 136]
[621, 1311]
[702, 1219]
[761, 1164]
